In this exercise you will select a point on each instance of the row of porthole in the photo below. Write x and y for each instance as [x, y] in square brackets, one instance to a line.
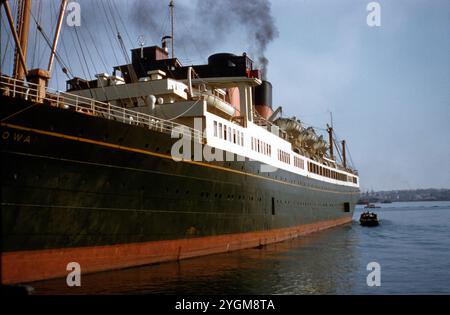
[298, 203]
[229, 196]
[202, 194]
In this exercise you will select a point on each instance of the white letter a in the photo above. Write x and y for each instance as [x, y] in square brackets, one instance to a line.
[74, 277]
[374, 17]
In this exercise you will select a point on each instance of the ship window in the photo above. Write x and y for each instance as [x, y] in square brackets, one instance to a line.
[346, 207]
[220, 130]
[230, 135]
[215, 128]
[234, 136]
[224, 132]
[242, 138]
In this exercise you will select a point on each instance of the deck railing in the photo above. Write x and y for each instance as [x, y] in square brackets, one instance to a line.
[35, 93]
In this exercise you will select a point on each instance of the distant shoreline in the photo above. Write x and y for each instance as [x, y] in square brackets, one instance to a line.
[431, 194]
[397, 201]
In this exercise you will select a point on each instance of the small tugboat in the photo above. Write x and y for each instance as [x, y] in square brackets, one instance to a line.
[371, 206]
[368, 219]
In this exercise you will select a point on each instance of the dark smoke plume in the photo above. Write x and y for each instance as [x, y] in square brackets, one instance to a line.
[210, 21]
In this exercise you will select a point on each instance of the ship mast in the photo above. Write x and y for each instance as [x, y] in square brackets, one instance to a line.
[23, 26]
[330, 140]
[344, 155]
[171, 7]
[20, 38]
[57, 32]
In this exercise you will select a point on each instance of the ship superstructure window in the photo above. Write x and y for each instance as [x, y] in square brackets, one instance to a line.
[228, 133]
[298, 162]
[284, 157]
[320, 170]
[260, 146]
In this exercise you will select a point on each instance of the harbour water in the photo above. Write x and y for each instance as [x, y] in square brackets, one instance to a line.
[411, 245]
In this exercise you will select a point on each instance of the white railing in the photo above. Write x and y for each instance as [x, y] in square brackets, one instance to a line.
[17, 88]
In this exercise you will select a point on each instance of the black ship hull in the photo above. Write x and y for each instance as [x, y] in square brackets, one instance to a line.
[108, 195]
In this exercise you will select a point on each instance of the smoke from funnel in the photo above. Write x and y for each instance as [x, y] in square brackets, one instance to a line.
[210, 20]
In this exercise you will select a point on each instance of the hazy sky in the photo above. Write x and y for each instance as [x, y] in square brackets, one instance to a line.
[388, 87]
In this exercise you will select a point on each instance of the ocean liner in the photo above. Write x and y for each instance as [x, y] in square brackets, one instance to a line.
[155, 162]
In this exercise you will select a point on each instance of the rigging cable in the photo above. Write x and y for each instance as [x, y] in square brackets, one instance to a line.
[131, 67]
[35, 49]
[57, 57]
[122, 22]
[107, 32]
[111, 42]
[100, 55]
[8, 42]
[82, 52]
[338, 148]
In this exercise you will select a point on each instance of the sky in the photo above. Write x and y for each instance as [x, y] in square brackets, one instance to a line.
[388, 87]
